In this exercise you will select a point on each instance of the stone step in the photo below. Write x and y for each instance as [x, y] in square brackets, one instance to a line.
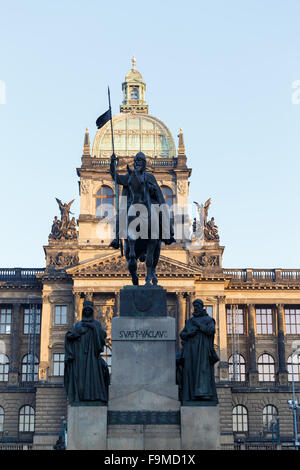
[144, 437]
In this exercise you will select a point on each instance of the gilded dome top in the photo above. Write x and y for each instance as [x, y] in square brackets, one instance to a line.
[133, 74]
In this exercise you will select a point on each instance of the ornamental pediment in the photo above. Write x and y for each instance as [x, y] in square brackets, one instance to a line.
[116, 266]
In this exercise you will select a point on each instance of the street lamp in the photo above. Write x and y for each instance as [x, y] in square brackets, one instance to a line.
[293, 404]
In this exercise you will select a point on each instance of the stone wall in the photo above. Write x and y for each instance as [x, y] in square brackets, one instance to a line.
[51, 408]
[11, 400]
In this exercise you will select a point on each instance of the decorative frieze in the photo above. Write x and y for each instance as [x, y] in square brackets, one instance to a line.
[204, 260]
[62, 260]
[85, 186]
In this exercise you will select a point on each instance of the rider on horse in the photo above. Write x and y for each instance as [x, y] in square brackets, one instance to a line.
[140, 186]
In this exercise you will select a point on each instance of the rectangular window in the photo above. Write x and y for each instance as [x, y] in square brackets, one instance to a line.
[264, 321]
[4, 366]
[58, 364]
[209, 310]
[32, 319]
[292, 320]
[235, 320]
[60, 317]
[5, 320]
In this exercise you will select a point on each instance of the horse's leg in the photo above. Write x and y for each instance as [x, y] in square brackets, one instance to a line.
[149, 261]
[155, 261]
[131, 262]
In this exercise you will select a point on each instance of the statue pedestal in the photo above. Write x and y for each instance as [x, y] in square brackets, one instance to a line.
[143, 358]
[143, 395]
[143, 353]
[87, 427]
[200, 428]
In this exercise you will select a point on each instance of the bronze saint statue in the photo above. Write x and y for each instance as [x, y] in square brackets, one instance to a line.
[86, 376]
[198, 357]
[141, 188]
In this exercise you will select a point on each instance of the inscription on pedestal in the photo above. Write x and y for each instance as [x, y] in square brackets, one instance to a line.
[143, 334]
[143, 329]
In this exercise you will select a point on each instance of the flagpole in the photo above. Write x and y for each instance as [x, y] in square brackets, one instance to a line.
[115, 171]
[111, 126]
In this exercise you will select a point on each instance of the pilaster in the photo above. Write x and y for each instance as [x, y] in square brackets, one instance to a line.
[282, 376]
[181, 315]
[223, 364]
[45, 339]
[13, 377]
[253, 373]
[117, 304]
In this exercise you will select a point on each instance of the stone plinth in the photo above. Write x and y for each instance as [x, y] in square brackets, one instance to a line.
[143, 363]
[200, 428]
[87, 428]
[143, 301]
[144, 437]
[143, 351]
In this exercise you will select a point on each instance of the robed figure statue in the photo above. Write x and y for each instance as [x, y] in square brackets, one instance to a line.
[198, 357]
[86, 376]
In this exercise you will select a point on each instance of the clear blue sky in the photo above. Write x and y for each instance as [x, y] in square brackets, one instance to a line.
[221, 70]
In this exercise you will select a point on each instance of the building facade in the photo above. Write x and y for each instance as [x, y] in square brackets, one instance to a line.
[257, 311]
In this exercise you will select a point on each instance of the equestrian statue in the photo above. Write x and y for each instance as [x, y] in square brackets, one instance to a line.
[148, 219]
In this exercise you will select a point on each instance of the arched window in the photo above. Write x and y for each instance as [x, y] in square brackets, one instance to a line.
[1, 419]
[4, 366]
[104, 197]
[107, 357]
[30, 368]
[168, 195]
[293, 365]
[266, 368]
[26, 419]
[240, 419]
[237, 368]
[270, 416]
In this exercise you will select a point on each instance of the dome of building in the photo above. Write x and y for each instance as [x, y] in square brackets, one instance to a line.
[134, 132]
[134, 129]
[133, 75]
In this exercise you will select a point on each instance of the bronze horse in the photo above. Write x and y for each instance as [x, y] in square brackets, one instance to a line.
[142, 192]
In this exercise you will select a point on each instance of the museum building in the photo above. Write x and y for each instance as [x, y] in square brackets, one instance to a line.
[257, 311]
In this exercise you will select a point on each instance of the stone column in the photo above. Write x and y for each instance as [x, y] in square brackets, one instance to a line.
[222, 332]
[77, 304]
[181, 314]
[117, 304]
[13, 376]
[253, 373]
[282, 369]
[189, 305]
